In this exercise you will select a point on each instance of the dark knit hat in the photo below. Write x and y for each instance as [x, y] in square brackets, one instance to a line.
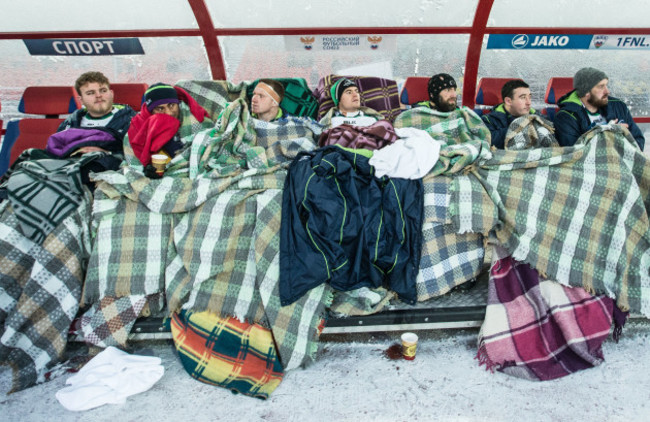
[158, 94]
[338, 87]
[438, 83]
[587, 78]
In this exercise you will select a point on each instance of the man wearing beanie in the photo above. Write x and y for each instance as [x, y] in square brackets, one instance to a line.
[590, 104]
[167, 117]
[441, 116]
[347, 106]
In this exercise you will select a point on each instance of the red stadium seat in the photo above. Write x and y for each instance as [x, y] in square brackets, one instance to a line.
[556, 89]
[131, 94]
[415, 90]
[21, 134]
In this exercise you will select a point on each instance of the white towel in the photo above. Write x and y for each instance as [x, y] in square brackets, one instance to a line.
[410, 157]
[110, 377]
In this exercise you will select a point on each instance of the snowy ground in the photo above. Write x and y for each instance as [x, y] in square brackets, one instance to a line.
[352, 381]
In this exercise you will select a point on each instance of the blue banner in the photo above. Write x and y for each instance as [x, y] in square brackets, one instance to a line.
[84, 47]
[539, 41]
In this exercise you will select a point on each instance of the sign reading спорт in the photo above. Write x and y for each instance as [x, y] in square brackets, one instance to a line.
[84, 47]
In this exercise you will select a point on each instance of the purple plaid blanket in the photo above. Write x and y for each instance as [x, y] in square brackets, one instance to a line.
[372, 137]
[538, 329]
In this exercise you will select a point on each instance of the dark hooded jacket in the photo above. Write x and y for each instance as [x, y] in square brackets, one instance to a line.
[573, 120]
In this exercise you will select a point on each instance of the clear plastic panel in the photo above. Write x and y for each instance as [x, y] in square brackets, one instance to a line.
[249, 58]
[536, 67]
[95, 15]
[340, 13]
[165, 59]
[568, 13]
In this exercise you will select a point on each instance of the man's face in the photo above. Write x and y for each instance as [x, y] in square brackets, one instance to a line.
[447, 99]
[170, 109]
[350, 100]
[519, 104]
[261, 102]
[97, 98]
[599, 95]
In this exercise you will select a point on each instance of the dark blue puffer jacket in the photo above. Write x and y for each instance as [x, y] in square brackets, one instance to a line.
[343, 225]
[572, 120]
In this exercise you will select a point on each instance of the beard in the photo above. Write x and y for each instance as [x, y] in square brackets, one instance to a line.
[446, 106]
[597, 102]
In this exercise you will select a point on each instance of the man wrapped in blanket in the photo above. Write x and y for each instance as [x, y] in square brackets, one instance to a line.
[347, 107]
[168, 115]
[449, 259]
[44, 230]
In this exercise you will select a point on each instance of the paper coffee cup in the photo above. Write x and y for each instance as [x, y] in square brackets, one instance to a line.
[159, 161]
[409, 344]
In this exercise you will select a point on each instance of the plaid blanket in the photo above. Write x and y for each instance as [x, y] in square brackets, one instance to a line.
[210, 242]
[538, 329]
[376, 93]
[372, 137]
[40, 286]
[466, 136]
[43, 191]
[579, 215]
[530, 131]
[227, 353]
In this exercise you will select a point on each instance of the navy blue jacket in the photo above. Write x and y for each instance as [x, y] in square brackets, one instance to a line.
[572, 120]
[343, 225]
[498, 121]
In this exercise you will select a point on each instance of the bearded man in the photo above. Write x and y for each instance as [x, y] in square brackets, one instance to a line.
[589, 105]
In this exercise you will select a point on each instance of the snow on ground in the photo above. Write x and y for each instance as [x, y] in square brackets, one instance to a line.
[351, 380]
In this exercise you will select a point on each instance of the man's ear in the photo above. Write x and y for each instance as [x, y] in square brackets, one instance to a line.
[507, 101]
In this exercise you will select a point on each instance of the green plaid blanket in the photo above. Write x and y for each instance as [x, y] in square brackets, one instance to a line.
[578, 215]
[207, 234]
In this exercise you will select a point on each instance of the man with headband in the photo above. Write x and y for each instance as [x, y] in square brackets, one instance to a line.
[347, 106]
[267, 96]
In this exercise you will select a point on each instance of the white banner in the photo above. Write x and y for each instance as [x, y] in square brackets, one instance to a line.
[340, 42]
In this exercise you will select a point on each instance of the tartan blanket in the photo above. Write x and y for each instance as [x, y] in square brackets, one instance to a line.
[227, 353]
[466, 137]
[538, 329]
[209, 242]
[40, 286]
[376, 93]
[579, 215]
[530, 131]
[372, 137]
[43, 191]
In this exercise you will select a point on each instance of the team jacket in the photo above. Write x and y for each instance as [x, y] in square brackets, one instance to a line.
[118, 126]
[343, 225]
[572, 120]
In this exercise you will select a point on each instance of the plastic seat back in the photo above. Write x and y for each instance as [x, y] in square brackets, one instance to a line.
[415, 90]
[131, 94]
[29, 132]
[556, 89]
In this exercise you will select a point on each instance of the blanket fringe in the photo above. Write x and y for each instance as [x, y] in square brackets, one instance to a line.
[484, 359]
[619, 317]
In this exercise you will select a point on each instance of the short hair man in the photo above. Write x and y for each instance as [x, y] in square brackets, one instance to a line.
[98, 112]
[516, 103]
[590, 104]
[267, 96]
[347, 106]
[168, 115]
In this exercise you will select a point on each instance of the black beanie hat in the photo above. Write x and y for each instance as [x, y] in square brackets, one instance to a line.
[159, 94]
[338, 88]
[438, 83]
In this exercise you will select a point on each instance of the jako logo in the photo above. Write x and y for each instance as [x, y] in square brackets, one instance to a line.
[520, 41]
